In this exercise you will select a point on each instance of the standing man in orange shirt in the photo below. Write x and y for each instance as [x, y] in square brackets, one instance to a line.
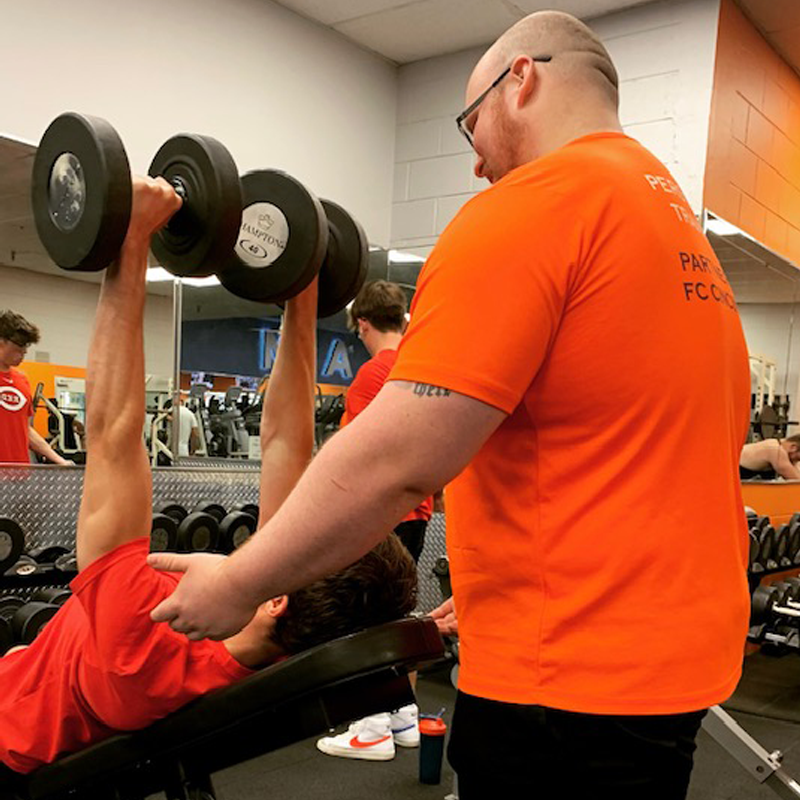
[378, 316]
[610, 329]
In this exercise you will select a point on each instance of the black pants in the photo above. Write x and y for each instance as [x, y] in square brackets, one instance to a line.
[412, 535]
[523, 751]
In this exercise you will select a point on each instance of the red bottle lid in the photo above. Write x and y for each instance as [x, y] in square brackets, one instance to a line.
[432, 726]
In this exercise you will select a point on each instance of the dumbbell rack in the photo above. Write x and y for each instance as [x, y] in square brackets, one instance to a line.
[44, 500]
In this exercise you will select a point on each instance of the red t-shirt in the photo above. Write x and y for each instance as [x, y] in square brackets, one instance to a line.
[101, 665]
[597, 542]
[15, 409]
[368, 382]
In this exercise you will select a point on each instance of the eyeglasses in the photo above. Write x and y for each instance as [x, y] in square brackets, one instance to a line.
[468, 111]
[20, 344]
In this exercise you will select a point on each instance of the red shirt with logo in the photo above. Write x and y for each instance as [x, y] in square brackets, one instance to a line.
[367, 383]
[15, 409]
[101, 666]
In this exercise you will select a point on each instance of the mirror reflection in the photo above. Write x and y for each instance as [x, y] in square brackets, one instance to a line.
[767, 291]
[60, 305]
[228, 346]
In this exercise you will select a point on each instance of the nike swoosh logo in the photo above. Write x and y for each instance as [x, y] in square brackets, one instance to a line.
[359, 745]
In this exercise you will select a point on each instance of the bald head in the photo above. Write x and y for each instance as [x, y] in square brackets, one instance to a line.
[579, 57]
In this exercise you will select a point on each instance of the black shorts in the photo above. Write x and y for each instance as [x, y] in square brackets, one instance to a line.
[507, 750]
[412, 535]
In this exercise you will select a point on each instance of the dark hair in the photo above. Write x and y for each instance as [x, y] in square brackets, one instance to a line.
[793, 439]
[381, 303]
[15, 328]
[379, 587]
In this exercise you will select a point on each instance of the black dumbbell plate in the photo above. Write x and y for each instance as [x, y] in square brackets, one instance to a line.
[81, 192]
[200, 236]
[282, 240]
[346, 264]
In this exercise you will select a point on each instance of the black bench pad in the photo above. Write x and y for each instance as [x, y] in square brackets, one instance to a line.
[303, 696]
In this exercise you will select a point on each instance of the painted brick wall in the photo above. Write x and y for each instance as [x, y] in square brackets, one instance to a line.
[664, 53]
[753, 170]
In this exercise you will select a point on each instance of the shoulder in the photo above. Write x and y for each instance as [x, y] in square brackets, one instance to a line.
[19, 377]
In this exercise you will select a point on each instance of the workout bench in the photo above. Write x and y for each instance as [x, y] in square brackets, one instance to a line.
[304, 696]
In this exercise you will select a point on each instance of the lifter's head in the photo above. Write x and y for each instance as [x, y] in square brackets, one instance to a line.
[380, 587]
[539, 105]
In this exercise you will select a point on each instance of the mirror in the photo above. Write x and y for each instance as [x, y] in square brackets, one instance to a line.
[62, 305]
[767, 290]
[228, 346]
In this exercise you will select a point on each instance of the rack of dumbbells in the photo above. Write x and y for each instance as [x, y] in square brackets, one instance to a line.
[209, 510]
[775, 590]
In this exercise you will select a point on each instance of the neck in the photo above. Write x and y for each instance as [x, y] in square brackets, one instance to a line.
[384, 341]
[572, 128]
[5, 367]
[252, 649]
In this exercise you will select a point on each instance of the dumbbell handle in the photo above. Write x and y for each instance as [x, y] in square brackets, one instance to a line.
[180, 188]
[776, 637]
[786, 612]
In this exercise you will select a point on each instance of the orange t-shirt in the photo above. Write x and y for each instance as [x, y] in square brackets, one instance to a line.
[597, 541]
[368, 382]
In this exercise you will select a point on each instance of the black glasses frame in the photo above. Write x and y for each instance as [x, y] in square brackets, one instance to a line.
[462, 117]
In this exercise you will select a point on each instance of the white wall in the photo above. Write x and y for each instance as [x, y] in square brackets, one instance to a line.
[64, 311]
[664, 53]
[278, 90]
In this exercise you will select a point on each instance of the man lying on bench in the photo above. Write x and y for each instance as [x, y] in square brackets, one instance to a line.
[101, 666]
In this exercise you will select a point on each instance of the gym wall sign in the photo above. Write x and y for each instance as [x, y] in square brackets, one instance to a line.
[336, 361]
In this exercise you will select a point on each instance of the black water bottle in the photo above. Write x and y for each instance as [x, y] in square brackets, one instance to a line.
[431, 748]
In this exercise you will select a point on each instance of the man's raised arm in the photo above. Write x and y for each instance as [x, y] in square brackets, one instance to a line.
[287, 415]
[115, 507]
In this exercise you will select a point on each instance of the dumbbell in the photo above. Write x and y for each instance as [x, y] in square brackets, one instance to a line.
[248, 508]
[12, 543]
[199, 532]
[761, 522]
[163, 533]
[441, 569]
[82, 197]
[754, 550]
[48, 555]
[235, 529]
[794, 541]
[68, 562]
[765, 606]
[8, 607]
[287, 237]
[208, 507]
[24, 567]
[781, 551]
[54, 595]
[171, 509]
[766, 540]
[29, 619]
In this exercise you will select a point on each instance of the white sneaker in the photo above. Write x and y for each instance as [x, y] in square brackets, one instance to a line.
[405, 726]
[369, 738]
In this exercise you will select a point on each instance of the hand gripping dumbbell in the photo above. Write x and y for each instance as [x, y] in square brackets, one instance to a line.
[82, 197]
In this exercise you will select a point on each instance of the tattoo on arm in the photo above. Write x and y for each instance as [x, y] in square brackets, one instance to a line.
[426, 390]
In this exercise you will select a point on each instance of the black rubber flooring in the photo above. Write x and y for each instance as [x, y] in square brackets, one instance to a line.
[766, 704]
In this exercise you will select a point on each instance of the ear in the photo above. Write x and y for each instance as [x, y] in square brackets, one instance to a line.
[526, 77]
[276, 607]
